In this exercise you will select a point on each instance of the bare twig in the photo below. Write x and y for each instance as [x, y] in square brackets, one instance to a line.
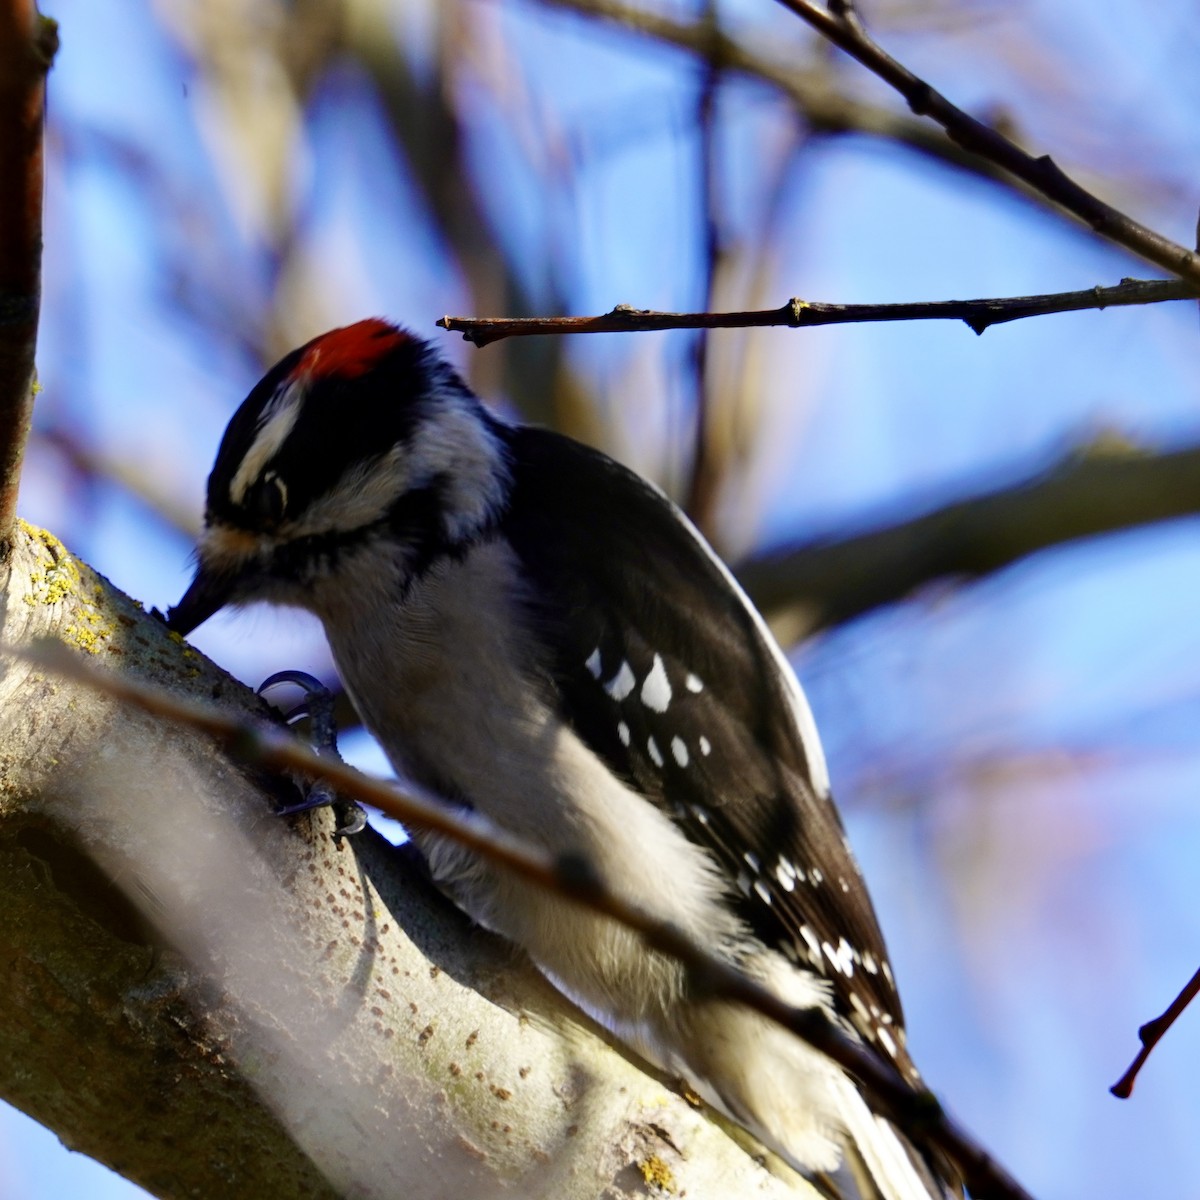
[918, 1113]
[1151, 1034]
[1088, 493]
[28, 43]
[803, 314]
[1041, 173]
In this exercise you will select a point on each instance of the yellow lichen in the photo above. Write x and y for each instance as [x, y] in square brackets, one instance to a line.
[60, 577]
[657, 1174]
[85, 639]
[59, 574]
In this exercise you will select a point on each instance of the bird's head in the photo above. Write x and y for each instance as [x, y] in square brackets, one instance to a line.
[361, 441]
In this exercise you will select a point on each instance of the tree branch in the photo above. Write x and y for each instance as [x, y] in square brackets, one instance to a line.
[979, 315]
[214, 1000]
[828, 582]
[840, 25]
[918, 1113]
[1152, 1033]
[28, 43]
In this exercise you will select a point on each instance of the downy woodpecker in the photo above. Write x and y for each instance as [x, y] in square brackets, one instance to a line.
[534, 632]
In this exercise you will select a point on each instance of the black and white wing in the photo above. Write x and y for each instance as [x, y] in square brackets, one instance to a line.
[667, 672]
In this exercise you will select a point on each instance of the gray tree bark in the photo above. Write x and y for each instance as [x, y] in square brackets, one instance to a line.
[218, 1002]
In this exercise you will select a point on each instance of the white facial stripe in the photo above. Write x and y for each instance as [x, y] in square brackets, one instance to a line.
[452, 444]
[277, 421]
[360, 498]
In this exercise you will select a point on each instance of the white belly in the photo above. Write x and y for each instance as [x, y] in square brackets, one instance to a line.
[449, 689]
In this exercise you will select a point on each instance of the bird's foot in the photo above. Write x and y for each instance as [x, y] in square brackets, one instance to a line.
[317, 707]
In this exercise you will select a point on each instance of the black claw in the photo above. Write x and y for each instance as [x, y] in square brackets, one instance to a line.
[351, 818]
[317, 706]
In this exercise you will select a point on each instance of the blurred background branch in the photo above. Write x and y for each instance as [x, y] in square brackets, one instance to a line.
[841, 25]
[1100, 489]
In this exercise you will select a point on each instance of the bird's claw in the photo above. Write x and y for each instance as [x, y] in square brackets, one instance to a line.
[317, 706]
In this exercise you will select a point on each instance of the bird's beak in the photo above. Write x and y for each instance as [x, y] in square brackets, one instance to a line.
[209, 592]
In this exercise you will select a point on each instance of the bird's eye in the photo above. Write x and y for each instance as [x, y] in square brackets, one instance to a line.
[268, 501]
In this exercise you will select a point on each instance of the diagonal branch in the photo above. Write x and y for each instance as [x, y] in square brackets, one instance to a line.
[917, 1112]
[335, 1024]
[840, 25]
[1152, 1033]
[28, 43]
[804, 314]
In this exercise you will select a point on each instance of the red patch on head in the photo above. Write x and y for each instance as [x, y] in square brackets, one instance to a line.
[350, 351]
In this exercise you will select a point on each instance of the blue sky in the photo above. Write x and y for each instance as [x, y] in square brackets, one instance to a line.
[1018, 758]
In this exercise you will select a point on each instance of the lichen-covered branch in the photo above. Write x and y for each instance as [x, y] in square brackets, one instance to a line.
[216, 1001]
[916, 1112]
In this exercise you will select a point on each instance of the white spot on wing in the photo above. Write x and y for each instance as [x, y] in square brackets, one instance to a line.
[801, 712]
[786, 881]
[654, 752]
[623, 733]
[810, 940]
[763, 891]
[694, 683]
[680, 751]
[886, 1040]
[656, 690]
[593, 663]
[847, 955]
[840, 959]
[621, 684]
[705, 746]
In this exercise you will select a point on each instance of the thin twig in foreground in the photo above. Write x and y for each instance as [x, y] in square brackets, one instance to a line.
[803, 314]
[917, 1113]
[1151, 1034]
[1042, 173]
